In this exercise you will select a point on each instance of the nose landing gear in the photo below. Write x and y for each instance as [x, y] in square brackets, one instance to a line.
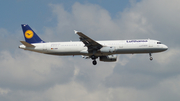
[151, 58]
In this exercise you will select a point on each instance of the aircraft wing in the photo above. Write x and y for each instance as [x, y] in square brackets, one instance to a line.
[90, 43]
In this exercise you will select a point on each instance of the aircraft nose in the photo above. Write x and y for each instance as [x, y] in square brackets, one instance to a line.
[165, 47]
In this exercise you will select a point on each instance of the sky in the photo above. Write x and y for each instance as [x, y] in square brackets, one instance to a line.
[30, 76]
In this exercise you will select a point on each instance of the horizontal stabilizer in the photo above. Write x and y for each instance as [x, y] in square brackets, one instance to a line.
[27, 44]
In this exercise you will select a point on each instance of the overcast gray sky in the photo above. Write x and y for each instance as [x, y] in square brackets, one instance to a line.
[29, 76]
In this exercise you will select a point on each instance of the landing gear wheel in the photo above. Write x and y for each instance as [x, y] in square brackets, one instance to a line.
[151, 58]
[94, 62]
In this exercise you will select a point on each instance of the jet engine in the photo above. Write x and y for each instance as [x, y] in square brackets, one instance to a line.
[108, 49]
[108, 58]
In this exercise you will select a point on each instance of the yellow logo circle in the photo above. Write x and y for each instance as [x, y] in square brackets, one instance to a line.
[29, 34]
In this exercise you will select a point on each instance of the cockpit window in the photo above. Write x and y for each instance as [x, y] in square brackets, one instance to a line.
[158, 42]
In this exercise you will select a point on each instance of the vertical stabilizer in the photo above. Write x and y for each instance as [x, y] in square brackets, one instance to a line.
[30, 36]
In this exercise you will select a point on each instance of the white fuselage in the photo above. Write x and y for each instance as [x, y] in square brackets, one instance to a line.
[78, 48]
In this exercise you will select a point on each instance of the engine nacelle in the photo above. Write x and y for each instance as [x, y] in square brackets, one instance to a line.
[108, 58]
[108, 49]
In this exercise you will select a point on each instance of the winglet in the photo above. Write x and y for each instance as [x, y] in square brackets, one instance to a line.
[75, 31]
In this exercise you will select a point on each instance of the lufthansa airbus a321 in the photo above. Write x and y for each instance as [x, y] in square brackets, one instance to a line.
[104, 50]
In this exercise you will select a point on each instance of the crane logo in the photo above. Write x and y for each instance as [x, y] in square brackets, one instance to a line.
[29, 34]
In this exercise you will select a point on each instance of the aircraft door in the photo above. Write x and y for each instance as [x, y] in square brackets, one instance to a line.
[45, 47]
[150, 44]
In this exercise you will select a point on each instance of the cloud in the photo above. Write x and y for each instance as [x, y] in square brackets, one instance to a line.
[90, 19]
[76, 91]
[4, 91]
[155, 19]
[26, 70]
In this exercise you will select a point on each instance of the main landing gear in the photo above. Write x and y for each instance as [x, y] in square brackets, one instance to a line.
[151, 58]
[93, 57]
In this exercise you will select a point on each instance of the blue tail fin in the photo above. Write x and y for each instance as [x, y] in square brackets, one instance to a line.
[30, 36]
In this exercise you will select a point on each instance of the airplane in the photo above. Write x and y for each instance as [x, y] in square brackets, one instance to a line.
[106, 50]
